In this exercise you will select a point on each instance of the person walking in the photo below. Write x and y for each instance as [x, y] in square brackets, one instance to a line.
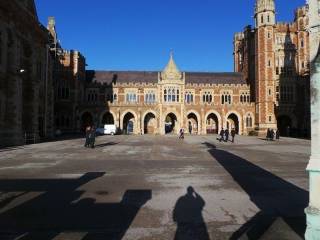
[233, 134]
[190, 128]
[226, 133]
[87, 131]
[272, 134]
[221, 135]
[268, 134]
[181, 133]
[278, 134]
[92, 137]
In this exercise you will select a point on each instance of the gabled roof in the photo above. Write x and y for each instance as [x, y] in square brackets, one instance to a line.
[215, 78]
[121, 76]
[152, 77]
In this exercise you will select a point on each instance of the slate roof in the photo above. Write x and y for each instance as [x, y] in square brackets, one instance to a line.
[215, 77]
[152, 77]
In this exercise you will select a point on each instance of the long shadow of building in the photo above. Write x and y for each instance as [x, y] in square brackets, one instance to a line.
[58, 210]
[275, 197]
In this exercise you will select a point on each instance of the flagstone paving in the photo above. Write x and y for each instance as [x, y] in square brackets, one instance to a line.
[154, 187]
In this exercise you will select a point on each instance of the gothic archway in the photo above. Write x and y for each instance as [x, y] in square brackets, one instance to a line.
[212, 124]
[128, 123]
[170, 123]
[233, 122]
[192, 123]
[150, 123]
[107, 118]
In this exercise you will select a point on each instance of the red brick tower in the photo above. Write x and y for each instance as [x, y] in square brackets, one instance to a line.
[265, 79]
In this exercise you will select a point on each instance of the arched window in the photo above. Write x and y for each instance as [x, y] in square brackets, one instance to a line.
[171, 94]
[241, 98]
[248, 98]
[222, 99]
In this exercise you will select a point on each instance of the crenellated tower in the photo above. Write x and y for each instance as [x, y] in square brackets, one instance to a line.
[265, 63]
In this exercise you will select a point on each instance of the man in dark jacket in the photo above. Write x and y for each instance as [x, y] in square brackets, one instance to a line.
[278, 134]
[233, 134]
[92, 137]
[190, 128]
[88, 130]
[226, 133]
[221, 135]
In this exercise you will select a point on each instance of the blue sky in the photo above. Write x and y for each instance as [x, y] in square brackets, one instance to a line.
[138, 34]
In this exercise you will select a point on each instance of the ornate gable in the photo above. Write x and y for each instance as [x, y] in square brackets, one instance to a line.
[171, 71]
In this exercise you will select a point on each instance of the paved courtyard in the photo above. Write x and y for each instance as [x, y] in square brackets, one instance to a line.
[154, 187]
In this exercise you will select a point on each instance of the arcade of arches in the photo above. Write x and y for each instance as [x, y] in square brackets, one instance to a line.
[211, 123]
[149, 122]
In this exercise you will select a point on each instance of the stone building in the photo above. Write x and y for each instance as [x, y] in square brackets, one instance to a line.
[68, 81]
[269, 89]
[274, 58]
[26, 93]
[163, 102]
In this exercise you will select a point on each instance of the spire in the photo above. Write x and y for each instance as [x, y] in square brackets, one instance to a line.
[171, 71]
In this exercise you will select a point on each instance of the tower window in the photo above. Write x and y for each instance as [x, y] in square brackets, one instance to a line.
[302, 43]
[262, 19]
[268, 18]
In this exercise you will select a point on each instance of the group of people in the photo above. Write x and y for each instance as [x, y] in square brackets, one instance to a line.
[271, 134]
[224, 135]
[90, 136]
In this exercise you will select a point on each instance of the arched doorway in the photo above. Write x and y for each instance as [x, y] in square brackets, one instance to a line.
[285, 125]
[212, 124]
[86, 120]
[150, 123]
[233, 122]
[107, 119]
[170, 123]
[128, 123]
[192, 125]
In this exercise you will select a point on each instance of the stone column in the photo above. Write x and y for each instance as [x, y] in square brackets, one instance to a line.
[313, 211]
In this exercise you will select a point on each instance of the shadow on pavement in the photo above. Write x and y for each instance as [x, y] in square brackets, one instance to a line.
[187, 214]
[275, 197]
[58, 210]
[105, 144]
